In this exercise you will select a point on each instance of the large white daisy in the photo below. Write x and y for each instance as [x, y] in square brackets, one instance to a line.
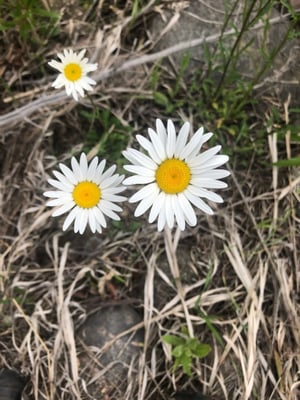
[87, 193]
[175, 175]
[73, 70]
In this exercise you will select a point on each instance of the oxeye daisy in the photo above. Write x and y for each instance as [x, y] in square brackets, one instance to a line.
[175, 175]
[73, 70]
[87, 193]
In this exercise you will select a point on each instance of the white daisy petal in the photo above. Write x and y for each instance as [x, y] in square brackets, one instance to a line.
[144, 205]
[214, 173]
[108, 182]
[111, 185]
[118, 180]
[169, 212]
[137, 180]
[108, 173]
[58, 83]
[175, 175]
[208, 183]
[92, 220]
[82, 221]
[86, 84]
[137, 169]
[57, 65]
[171, 140]
[113, 206]
[148, 146]
[70, 218]
[54, 194]
[111, 214]
[76, 169]
[207, 194]
[161, 222]
[204, 139]
[161, 131]
[81, 54]
[179, 215]
[59, 201]
[61, 186]
[215, 162]
[182, 138]
[137, 157]
[109, 193]
[157, 144]
[158, 205]
[92, 169]
[187, 209]
[83, 164]
[77, 222]
[113, 198]
[198, 202]
[184, 154]
[99, 170]
[68, 174]
[98, 228]
[77, 88]
[205, 156]
[146, 191]
[80, 193]
[63, 209]
[99, 216]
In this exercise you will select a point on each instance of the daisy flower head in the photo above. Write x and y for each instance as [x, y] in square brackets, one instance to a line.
[87, 193]
[175, 175]
[73, 70]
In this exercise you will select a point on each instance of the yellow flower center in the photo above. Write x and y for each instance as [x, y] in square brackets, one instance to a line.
[73, 72]
[173, 176]
[86, 194]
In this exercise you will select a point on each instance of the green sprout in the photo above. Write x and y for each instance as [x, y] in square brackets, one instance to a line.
[185, 349]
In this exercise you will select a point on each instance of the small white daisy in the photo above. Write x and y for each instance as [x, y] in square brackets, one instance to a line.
[175, 175]
[73, 70]
[87, 192]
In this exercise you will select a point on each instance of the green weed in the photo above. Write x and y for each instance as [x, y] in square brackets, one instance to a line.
[185, 349]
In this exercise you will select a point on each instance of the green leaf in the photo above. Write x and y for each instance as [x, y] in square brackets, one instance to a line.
[186, 362]
[161, 99]
[173, 340]
[178, 351]
[291, 162]
[201, 350]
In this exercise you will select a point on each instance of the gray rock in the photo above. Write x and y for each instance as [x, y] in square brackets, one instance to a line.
[103, 326]
[11, 384]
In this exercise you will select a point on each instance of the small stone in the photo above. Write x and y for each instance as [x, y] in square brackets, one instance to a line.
[11, 384]
[103, 326]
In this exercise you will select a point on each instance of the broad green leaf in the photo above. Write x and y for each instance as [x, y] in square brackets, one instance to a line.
[173, 340]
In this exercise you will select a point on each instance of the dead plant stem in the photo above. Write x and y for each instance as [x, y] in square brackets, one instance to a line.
[171, 246]
[49, 358]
